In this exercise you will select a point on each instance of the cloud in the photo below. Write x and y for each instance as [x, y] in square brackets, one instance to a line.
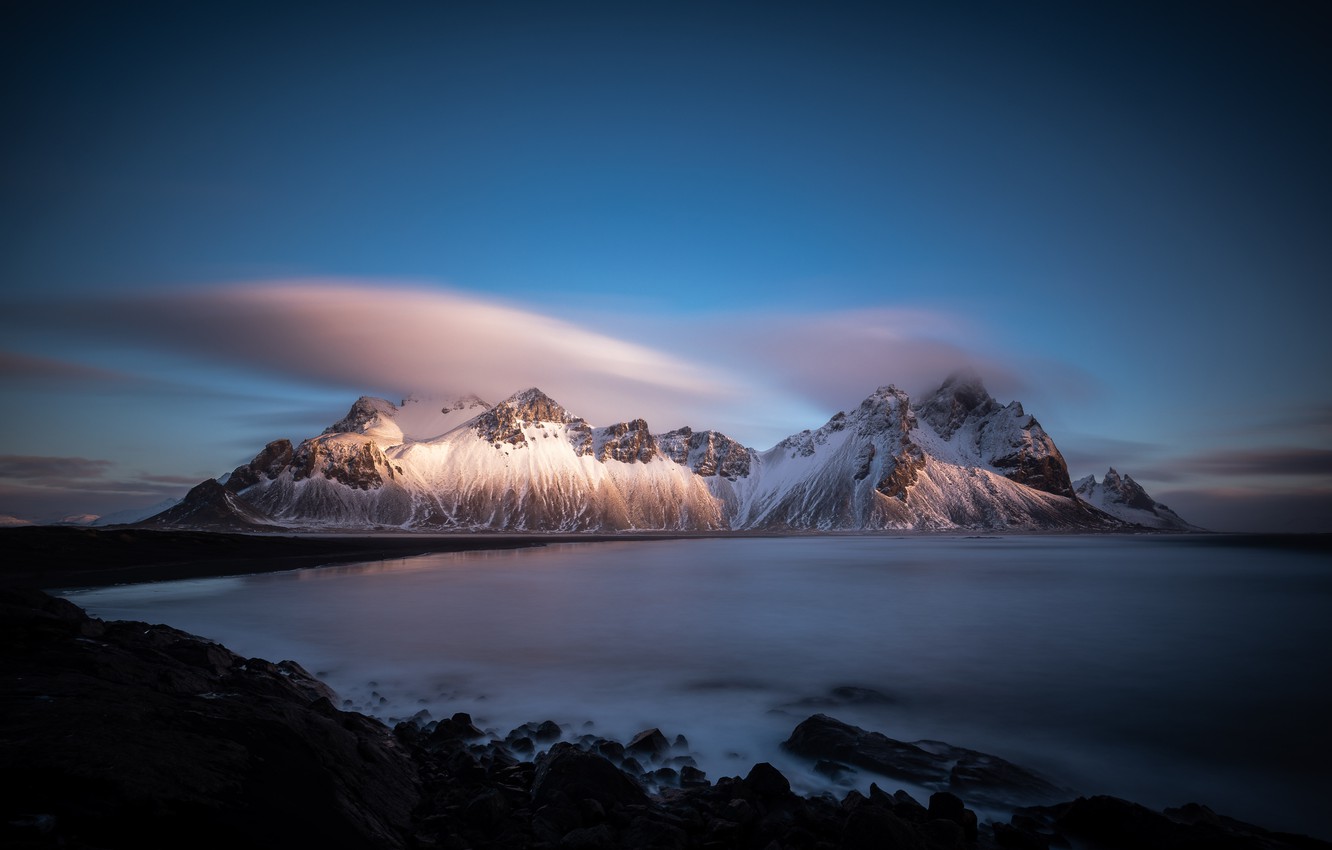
[27, 474]
[1262, 462]
[838, 358]
[55, 469]
[1088, 454]
[14, 365]
[835, 359]
[1299, 421]
[760, 376]
[171, 481]
[396, 339]
[1237, 509]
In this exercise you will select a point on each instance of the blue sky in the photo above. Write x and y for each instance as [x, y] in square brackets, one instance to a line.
[1119, 215]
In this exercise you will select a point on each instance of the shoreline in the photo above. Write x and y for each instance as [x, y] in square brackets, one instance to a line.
[233, 740]
[67, 558]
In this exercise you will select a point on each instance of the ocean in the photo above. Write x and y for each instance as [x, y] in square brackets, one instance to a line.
[1162, 669]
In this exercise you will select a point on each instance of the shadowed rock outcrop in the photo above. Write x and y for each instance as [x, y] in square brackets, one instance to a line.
[124, 734]
[978, 777]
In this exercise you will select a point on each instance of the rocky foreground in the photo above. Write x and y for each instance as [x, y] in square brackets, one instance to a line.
[125, 734]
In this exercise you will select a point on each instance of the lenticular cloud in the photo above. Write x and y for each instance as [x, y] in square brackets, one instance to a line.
[756, 376]
[398, 338]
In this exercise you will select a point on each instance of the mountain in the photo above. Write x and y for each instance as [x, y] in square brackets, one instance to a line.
[210, 505]
[1124, 498]
[132, 515]
[956, 460]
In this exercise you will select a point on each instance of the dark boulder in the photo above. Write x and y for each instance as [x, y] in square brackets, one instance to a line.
[457, 729]
[823, 737]
[874, 828]
[766, 783]
[566, 775]
[974, 776]
[650, 743]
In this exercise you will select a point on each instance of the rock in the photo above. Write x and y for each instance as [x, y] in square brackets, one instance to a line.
[566, 775]
[831, 769]
[649, 743]
[456, 729]
[908, 807]
[945, 806]
[588, 838]
[665, 776]
[487, 809]
[766, 782]
[522, 745]
[976, 776]
[150, 737]
[627, 442]
[874, 828]
[980, 776]
[852, 695]
[692, 777]
[823, 737]
[1111, 822]
[632, 766]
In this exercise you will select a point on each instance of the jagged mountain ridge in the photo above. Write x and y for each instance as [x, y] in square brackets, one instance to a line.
[1124, 499]
[957, 460]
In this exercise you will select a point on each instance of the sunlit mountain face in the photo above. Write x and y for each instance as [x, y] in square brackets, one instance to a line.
[958, 459]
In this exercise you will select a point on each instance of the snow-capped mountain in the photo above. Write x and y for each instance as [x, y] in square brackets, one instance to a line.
[957, 460]
[1124, 498]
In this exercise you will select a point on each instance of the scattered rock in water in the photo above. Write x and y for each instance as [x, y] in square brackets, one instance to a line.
[975, 776]
[649, 743]
[566, 774]
[833, 770]
[838, 697]
[459, 727]
[692, 777]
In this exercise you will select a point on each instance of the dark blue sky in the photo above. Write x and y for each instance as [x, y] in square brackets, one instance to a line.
[1120, 214]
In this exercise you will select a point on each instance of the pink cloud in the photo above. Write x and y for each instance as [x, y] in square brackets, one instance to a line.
[759, 376]
[396, 339]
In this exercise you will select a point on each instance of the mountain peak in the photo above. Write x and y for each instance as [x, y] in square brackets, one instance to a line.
[1123, 498]
[364, 411]
[960, 397]
[504, 423]
[539, 406]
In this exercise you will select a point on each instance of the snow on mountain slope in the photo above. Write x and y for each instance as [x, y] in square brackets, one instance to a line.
[958, 460]
[416, 418]
[1124, 498]
[524, 464]
[981, 432]
[882, 466]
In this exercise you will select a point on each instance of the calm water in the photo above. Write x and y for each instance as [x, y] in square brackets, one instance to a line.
[1164, 670]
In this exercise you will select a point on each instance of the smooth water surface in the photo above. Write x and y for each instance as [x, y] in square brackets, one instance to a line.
[1160, 669]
